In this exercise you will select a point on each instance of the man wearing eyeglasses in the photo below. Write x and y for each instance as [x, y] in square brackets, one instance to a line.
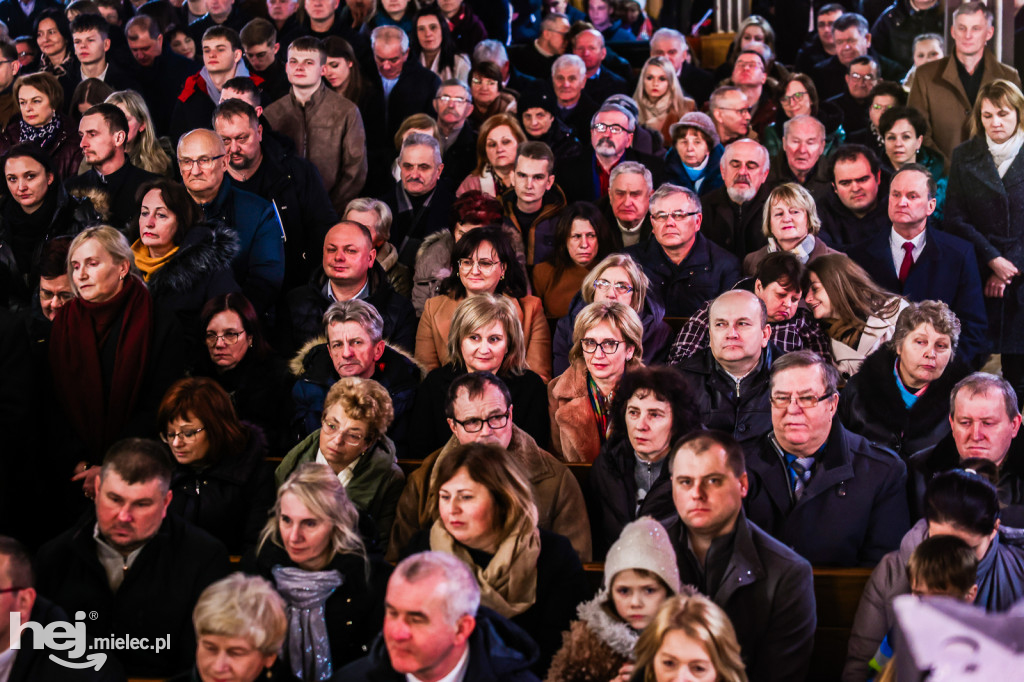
[852, 40]
[479, 409]
[861, 78]
[730, 110]
[684, 268]
[831, 495]
[453, 104]
[259, 265]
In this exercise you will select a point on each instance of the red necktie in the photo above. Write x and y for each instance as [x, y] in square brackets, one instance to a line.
[908, 261]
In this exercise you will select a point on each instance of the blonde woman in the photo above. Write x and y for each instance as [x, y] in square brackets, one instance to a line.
[660, 97]
[790, 222]
[144, 149]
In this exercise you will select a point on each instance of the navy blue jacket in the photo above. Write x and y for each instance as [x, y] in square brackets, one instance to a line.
[946, 271]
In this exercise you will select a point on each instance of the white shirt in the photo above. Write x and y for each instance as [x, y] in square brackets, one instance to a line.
[7, 663]
[114, 563]
[896, 246]
[457, 674]
[102, 76]
[346, 474]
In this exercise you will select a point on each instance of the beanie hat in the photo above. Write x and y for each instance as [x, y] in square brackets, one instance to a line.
[643, 544]
[536, 98]
[700, 121]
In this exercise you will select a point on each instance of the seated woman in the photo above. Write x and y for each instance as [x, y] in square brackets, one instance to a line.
[41, 122]
[398, 13]
[694, 157]
[753, 33]
[433, 259]
[858, 316]
[903, 130]
[352, 440]
[184, 264]
[416, 123]
[900, 396]
[486, 336]
[483, 262]
[488, 97]
[240, 626]
[144, 150]
[617, 278]
[486, 517]
[690, 633]
[222, 481]
[607, 340]
[640, 573]
[790, 222]
[334, 590]
[496, 148]
[582, 240]
[798, 96]
[113, 354]
[660, 97]
[434, 46]
[652, 408]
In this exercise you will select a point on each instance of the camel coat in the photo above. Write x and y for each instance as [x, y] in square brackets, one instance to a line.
[432, 334]
[574, 432]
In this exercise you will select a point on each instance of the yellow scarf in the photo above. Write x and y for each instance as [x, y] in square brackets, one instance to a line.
[146, 263]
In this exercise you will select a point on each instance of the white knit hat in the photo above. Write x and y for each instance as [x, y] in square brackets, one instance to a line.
[643, 544]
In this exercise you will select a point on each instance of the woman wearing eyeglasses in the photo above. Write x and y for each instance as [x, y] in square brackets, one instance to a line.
[352, 440]
[488, 97]
[800, 98]
[607, 340]
[483, 262]
[616, 278]
[222, 482]
[583, 239]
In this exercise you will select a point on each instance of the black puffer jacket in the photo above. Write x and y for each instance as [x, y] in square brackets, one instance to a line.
[871, 405]
[894, 32]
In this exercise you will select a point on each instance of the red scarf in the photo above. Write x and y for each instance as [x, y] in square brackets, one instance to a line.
[79, 331]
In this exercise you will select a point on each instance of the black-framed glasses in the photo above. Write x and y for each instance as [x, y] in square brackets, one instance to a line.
[676, 216]
[609, 346]
[806, 402]
[497, 421]
[620, 287]
[795, 97]
[614, 128]
[186, 435]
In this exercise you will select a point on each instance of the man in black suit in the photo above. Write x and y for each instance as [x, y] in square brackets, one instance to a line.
[161, 72]
[853, 39]
[536, 58]
[511, 78]
[575, 107]
[601, 82]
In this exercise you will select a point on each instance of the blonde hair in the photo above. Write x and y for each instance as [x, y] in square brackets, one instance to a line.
[674, 92]
[363, 400]
[791, 194]
[112, 241]
[476, 311]
[998, 92]
[624, 318]
[242, 606]
[700, 619]
[316, 486]
[636, 275]
[144, 151]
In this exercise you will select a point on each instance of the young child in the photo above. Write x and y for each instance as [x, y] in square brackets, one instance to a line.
[640, 573]
[942, 565]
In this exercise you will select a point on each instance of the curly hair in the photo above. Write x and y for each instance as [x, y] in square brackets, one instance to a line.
[363, 400]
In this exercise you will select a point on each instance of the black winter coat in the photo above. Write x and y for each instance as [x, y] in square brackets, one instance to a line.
[840, 228]
[355, 610]
[707, 271]
[740, 409]
[853, 510]
[230, 499]
[736, 229]
[894, 32]
[155, 599]
[499, 651]
[871, 405]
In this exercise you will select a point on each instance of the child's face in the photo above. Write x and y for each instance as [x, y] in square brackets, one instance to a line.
[637, 598]
[920, 589]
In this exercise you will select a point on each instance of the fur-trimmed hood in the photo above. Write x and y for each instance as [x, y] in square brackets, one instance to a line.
[619, 637]
[97, 197]
[312, 361]
[203, 252]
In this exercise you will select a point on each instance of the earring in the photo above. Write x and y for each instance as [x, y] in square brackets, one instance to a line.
[122, 278]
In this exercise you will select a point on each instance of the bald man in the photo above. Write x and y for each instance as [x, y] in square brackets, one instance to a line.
[259, 264]
[731, 376]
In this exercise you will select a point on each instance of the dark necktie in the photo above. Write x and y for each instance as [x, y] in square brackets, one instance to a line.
[908, 261]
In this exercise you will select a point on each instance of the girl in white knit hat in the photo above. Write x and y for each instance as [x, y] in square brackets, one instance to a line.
[640, 573]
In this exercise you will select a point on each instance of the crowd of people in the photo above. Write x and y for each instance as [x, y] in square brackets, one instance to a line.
[336, 338]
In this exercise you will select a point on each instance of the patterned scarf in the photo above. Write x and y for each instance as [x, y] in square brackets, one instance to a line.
[41, 135]
[600, 404]
[306, 593]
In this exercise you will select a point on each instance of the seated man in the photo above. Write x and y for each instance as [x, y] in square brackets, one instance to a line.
[131, 553]
[260, 48]
[684, 268]
[777, 283]
[533, 204]
[91, 37]
[453, 104]
[479, 410]
[326, 127]
[259, 265]
[575, 107]
[852, 212]
[763, 586]
[985, 420]
[730, 110]
[730, 377]
[861, 77]
[803, 143]
[627, 205]
[434, 628]
[733, 212]
[355, 347]
[350, 272]
[811, 473]
[375, 215]
[602, 83]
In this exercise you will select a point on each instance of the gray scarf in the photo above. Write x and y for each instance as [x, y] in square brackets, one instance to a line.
[306, 592]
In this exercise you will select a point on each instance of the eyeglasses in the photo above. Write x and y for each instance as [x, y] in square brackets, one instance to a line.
[12, 589]
[185, 435]
[205, 162]
[489, 82]
[448, 99]
[620, 287]
[882, 107]
[741, 110]
[331, 429]
[867, 77]
[47, 295]
[609, 346]
[676, 216]
[806, 402]
[748, 65]
[614, 128]
[795, 97]
[485, 266]
[230, 338]
[497, 421]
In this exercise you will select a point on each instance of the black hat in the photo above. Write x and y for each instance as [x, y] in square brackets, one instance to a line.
[537, 99]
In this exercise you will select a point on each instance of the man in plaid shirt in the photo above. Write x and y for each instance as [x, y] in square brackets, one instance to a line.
[793, 328]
